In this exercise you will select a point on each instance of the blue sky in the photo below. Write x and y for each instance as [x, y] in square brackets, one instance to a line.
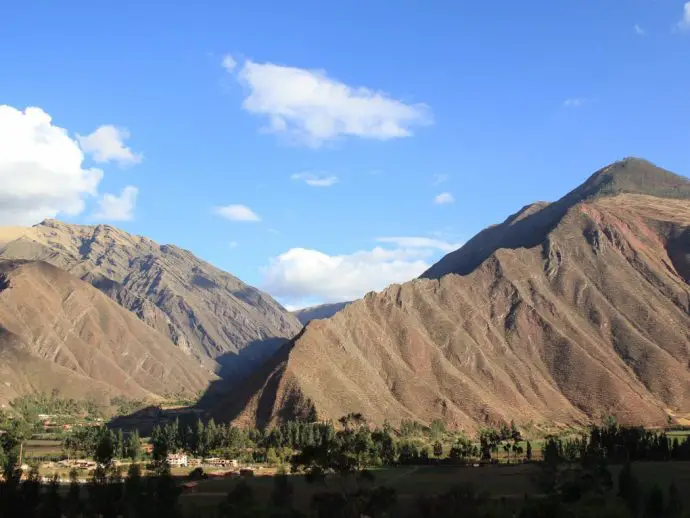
[337, 128]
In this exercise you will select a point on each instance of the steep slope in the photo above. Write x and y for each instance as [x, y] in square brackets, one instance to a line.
[58, 332]
[207, 313]
[569, 311]
[321, 311]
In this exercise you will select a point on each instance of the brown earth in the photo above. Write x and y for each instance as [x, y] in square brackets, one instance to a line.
[563, 314]
[209, 314]
[58, 332]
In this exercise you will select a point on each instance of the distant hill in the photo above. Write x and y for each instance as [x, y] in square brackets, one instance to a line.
[58, 332]
[210, 315]
[306, 315]
[562, 314]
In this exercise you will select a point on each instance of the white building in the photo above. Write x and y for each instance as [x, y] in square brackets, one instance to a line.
[177, 459]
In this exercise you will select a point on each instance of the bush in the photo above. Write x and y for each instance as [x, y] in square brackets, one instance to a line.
[197, 474]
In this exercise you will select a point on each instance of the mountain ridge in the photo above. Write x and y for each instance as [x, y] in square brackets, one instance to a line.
[59, 332]
[208, 313]
[555, 327]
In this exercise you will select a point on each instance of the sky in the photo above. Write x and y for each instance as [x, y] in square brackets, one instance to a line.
[321, 150]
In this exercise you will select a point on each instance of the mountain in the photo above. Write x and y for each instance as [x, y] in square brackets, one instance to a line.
[58, 332]
[321, 311]
[210, 315]
[562, 314]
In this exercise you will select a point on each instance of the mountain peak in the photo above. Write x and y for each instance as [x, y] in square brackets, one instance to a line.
[632, 175]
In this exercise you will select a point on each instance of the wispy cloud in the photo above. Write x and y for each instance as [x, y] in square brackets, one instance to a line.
[229, 63]
[684, 23]
[440, 178]
[315, 180]
[313, 108]
[575, 102]
[420, 242]
[639, 30]
[444, 199]
[237, 213]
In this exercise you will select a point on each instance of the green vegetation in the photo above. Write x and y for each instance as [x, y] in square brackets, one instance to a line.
[350, 469]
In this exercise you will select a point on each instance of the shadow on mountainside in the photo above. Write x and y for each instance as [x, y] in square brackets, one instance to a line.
[234, 370]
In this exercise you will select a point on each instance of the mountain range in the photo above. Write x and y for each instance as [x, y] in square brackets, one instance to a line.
[205, 318]
[564, 313]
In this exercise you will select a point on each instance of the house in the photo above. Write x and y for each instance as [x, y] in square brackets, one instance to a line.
[177, 459]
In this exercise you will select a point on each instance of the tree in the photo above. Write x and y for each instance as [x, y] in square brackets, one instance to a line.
[105, 449]
[528, 451]
[132, 449]
[438, 449]
[488, 440]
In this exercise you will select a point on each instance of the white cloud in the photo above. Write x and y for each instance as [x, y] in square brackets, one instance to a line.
[684, 24]
[440, 178]
[233, 244]
[107, 144]
[639, 30]
[313, 108]
[444, 198]
[118, 208]
[303, 274]
[229, 63]
[41, 169]
[316, 180]
[420, 242]
[237, 213]
[574, 102]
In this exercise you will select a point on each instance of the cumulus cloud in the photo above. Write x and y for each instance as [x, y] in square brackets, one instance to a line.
[302, 273]
[316, 180]
[444, 198]
[301, 276]
[237, 213]
[107, 144]
[118, 208]
[684, 24]
[313, 108]
[41, 169]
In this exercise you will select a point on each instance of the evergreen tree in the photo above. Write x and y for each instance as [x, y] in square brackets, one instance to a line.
[119, 444]
[132, 448]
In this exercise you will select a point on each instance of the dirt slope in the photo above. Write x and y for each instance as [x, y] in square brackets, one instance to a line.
[207, 313]
[564, 313]
[57, 331]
